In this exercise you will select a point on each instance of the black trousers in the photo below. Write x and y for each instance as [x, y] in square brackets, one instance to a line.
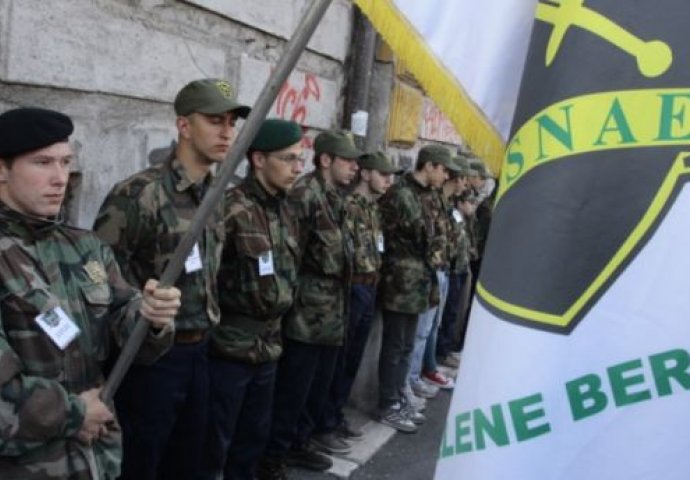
[305, 374]
[163, 410]
[240, 418]
[397, 342]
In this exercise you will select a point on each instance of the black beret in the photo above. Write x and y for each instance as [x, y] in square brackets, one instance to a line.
[27, 129]
[276, 134]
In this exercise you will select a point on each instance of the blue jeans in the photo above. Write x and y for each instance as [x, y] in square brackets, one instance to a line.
[240, 418]
[426, 333]
[163, 410]
[451, 314]
[362, 309]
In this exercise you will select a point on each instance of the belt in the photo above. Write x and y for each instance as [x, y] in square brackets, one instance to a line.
[365, 279]
[190, 336]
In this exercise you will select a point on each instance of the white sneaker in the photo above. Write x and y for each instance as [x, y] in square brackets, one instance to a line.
[424, 390]
[418, 403]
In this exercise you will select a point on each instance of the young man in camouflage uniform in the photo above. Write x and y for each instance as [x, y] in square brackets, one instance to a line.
[164, 407]
[62, 301]
[314, 329]
[257, 279]
[477, 179]
[423, 370]
[459, 265]
[363, 225]
[408, 270]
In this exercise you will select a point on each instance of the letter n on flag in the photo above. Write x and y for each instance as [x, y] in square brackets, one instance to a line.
[576, 364]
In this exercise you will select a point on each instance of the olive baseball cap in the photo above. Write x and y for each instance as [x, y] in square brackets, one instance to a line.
[437, 154]
[478, 166]
[377, 161]
[338, 143]
[462, 162]
[211, 96]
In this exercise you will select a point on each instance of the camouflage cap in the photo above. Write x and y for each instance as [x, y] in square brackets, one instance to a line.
[28, 129]
[336, 142]
[478, 167]
[462, 162]
[377, 161]
[211, 96]
[436, 154]
[276, 134]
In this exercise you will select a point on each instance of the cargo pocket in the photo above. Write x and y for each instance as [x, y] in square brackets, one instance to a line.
[330, 244]
[317, 295]
[250, 249]
[97, 297]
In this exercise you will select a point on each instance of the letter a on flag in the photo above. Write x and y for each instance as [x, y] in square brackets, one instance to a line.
[577, 360]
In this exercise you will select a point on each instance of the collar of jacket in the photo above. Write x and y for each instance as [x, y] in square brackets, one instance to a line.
[183, 182]
[27, 225]
[360, 199]
[254, 188]
[412, 182]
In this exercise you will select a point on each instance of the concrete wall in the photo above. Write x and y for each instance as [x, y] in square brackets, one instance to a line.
[115, 65]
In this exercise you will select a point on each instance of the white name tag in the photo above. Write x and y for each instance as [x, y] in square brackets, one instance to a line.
[193, 262]
[457, 216]
[266, 264]
[379, 243]
[58, 326]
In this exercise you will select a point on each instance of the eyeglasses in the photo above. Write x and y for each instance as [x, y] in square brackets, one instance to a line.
[288, 158]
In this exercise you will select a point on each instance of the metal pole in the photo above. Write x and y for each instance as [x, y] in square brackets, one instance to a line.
[361, 67]
[293, 50]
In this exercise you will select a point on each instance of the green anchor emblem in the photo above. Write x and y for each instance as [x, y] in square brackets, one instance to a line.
[653, 57]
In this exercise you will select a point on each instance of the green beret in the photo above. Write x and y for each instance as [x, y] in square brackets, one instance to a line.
[276, 134]
[24, 130]
[211, 96]
[338, 143]
[377, 161]
[436, 154]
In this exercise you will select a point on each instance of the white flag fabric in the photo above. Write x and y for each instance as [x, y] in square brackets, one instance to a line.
[468, 56]
[577, 358]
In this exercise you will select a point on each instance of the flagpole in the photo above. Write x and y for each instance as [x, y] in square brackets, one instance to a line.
[293, 50]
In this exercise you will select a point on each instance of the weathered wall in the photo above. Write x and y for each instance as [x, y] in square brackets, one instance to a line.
[115, 65]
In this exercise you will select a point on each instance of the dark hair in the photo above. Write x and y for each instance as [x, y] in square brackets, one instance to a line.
[420, 163]
[317, 158]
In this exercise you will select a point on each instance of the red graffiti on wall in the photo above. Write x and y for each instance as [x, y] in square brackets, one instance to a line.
[437, 126]
[293, 101]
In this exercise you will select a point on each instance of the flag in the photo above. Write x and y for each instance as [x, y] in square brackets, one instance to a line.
[467, 55]
[577, 360]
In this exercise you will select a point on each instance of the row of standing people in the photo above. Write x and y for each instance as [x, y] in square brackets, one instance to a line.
[428, 219]
[277, 272]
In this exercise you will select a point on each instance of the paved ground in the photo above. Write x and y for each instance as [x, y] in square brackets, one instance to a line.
[402, 457]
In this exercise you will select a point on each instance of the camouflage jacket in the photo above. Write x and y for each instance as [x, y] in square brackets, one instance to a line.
[456, 237]
[143, 219]
[483, 215]
[255, 291]
[462, 254]
[364, 228]
[44, 265]
[318, 313]
[435, 208]
[406, 274]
